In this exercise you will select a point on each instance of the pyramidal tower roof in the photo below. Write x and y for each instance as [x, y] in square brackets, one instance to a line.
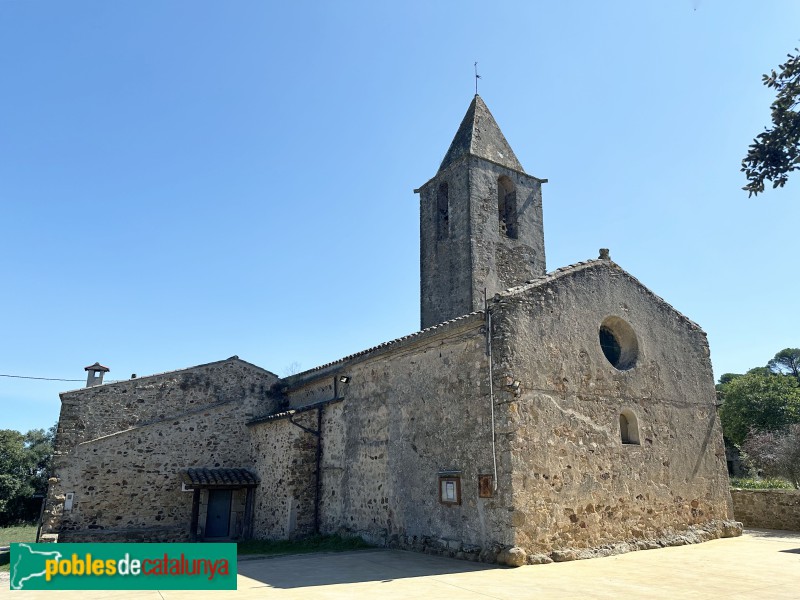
[480, 136]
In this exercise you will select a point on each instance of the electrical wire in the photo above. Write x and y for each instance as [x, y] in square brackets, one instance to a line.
[40, 378]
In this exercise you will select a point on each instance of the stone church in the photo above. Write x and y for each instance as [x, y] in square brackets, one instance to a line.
[536, 416]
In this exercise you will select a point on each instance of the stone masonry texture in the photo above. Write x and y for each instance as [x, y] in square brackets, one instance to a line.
[475, 256]
[575, 484]
[571, 414]
[767, 509]
[120, 448]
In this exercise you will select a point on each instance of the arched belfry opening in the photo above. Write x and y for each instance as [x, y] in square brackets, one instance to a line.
[443, 212]
[507, 207]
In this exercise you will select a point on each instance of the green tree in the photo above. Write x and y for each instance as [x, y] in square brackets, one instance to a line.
[727, 378]
[765, 371]
[24, 469]
[759, 402]
[12, 469]
[786, 362]
[775, 152]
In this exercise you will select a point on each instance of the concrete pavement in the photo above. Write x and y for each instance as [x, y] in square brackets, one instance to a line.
[759, 564]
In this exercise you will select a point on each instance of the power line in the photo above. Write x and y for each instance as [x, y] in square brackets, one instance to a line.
[41, 378]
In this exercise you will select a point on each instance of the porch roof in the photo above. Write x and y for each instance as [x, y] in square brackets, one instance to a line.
[219, 478]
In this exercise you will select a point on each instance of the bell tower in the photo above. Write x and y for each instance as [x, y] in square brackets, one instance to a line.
[480, 222]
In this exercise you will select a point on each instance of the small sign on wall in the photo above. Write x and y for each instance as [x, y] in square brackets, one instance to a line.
[70, 498]
[449, 489]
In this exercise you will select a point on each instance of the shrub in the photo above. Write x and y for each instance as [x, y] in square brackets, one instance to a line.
[776, 453]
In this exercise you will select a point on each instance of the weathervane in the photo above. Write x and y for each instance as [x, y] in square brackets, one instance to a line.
[476, 78]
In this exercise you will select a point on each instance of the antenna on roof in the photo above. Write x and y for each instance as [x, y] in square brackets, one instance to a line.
[476, 78]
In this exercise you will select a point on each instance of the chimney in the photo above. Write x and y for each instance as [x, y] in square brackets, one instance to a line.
[96, 372]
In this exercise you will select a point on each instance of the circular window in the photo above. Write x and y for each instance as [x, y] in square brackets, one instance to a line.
[619, 343]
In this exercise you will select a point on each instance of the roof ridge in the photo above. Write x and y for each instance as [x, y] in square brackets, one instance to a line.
[208, 364]
[555, 274]
[579, 266]
[393, 342]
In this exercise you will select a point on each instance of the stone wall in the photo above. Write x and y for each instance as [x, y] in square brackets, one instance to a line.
[767, 509]
[567, 487]
[576, 485]
[91, 413]
[474, 255]
[408, 414]
[120, 448]
[445, 264]
[498, 261]
[420, 408]
[285, 457]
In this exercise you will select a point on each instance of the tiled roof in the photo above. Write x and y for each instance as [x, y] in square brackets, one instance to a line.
[395, 342]
[284, 414]
[273, 417]
[219, 478]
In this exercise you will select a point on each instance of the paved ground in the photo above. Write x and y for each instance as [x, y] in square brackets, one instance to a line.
[760, 564]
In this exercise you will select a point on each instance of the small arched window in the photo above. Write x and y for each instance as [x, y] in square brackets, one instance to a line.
[442, 213]
[507, 207]
[628, 427]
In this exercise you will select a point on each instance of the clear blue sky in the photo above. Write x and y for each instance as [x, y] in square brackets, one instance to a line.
[182, 181]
